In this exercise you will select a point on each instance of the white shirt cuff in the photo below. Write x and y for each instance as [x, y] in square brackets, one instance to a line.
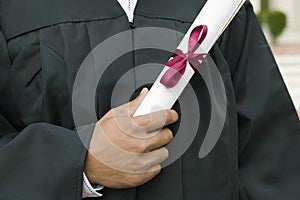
[88, 190]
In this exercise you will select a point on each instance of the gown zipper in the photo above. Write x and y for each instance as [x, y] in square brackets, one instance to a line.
[131, 15]
[132, 27]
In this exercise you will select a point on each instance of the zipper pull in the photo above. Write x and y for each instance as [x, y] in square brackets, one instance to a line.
[132, 25]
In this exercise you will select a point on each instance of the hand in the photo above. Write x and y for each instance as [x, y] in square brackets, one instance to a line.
[126, 151]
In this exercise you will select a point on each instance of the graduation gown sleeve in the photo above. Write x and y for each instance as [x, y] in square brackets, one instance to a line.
[40, 161]
[269, 130]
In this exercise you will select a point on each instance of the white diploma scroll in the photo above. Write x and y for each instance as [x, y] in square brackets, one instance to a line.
[216, 15]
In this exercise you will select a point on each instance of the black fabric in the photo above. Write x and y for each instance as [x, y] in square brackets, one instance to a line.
[42, 45]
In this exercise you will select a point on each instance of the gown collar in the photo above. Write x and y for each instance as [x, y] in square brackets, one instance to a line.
[128, 6]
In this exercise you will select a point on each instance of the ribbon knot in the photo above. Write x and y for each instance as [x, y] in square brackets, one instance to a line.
[178, 63]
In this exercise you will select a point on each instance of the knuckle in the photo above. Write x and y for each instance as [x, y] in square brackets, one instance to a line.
[144, 122]
[139, 179]
[143, 146]
[172, 116]
[157, 169]
[165, 135]
[175, 115]
[168, 133]
[140, 165]
[168, 115]
[139, 147]
[165, 153]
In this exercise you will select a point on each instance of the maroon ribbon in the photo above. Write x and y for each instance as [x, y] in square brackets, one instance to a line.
[179, 59]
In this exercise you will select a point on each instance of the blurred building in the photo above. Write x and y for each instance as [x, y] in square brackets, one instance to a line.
[287, 50]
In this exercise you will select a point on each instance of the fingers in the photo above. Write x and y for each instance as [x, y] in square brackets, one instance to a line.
[134, 104]
[121, 151]
[127, 109]
[159, 139]
[140, 125]
[138, 179]
[154, 158]
[156, 120]
[146, 162]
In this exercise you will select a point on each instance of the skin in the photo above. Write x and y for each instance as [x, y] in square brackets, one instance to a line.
[127, 151]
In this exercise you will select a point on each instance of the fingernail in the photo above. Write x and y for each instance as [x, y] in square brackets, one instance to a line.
[144, 90]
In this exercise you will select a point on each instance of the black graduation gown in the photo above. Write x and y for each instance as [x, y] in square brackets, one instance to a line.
[43, 43]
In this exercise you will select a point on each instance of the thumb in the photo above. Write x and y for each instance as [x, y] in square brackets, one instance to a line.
[134, 104]
[128, 108]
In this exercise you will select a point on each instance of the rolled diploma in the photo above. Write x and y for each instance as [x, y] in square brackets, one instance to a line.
[216, 14]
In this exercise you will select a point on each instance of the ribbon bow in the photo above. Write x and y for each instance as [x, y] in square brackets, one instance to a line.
[179, 60]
